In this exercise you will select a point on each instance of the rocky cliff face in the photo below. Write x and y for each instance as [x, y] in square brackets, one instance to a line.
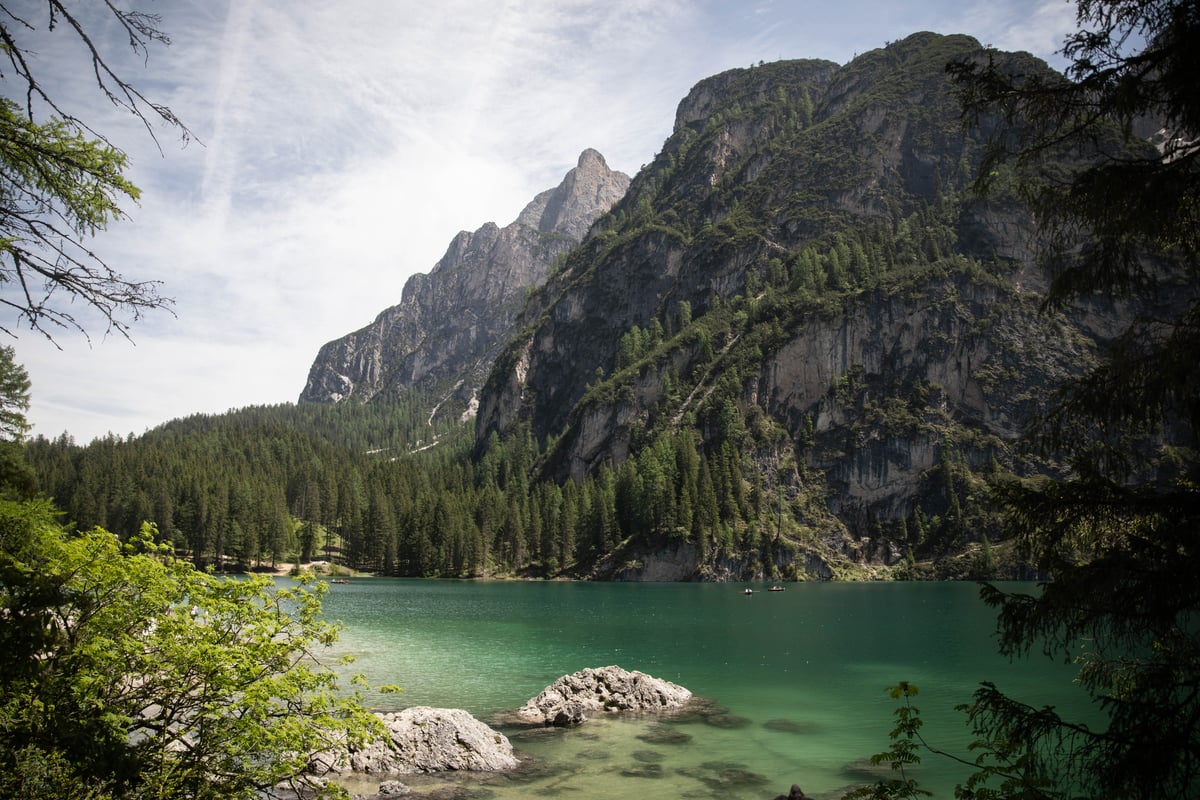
[804, 275]
[442, 336]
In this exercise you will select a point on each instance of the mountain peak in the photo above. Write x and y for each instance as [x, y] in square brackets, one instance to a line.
[449, 322]
[570, 208]
[591, 159]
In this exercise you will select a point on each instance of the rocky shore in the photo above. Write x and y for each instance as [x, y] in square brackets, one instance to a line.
[569, 699]
[423, 740]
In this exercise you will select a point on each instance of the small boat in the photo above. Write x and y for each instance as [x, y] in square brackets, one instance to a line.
[748, 591]
[339, 580]
[775, 588]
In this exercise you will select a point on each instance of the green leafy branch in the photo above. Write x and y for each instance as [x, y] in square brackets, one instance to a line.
[905, 752]
[61, 181]
[1005, 757]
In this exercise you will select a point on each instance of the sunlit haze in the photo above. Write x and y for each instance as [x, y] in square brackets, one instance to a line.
[340, 146]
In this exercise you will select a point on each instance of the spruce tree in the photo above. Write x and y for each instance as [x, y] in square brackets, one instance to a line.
[1118, 533]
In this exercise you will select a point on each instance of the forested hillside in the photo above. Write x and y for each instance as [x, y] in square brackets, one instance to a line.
[927, 314]
[804, 291]
[370, 487]
[257, 486]
[800, 346]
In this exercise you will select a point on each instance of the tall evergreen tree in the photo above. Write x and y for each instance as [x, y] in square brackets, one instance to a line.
[1118, 534]
[16, 478]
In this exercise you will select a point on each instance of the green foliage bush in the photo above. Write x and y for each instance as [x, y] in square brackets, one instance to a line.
[127, 673]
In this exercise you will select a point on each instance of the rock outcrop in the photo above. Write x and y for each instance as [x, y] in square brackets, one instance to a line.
[443, 335]
[611, 689]
[423, 739]
[804, 287]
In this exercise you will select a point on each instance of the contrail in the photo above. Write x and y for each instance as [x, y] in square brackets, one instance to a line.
[222, 155]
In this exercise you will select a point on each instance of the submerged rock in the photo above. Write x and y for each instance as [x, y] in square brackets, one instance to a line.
[727, 721]
[789, 726]
[567, 701]
[644, 771]
[662, 734]
[724, 776]
[422, 739]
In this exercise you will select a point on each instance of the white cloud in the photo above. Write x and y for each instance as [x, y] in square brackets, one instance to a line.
[346, 143]
[1035, 26]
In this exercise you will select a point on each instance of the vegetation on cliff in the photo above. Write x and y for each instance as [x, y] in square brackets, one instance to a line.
[805, 287]
[1116, 530]
[801, 301]
[798, 347]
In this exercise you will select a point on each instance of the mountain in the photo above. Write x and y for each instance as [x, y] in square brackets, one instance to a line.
[802, 295]
[798, 345]
[442, 336]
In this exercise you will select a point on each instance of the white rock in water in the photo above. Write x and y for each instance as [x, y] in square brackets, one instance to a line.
[611, 689]
[423, 739]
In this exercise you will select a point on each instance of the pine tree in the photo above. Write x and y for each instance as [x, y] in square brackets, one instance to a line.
[1118, 534]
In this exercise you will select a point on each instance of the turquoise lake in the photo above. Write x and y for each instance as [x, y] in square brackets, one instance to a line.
[801, 676]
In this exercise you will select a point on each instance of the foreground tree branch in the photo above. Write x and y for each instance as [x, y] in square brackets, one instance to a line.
[62, 182]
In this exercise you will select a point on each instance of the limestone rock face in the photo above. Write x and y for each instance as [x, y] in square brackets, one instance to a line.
[444, 333]
[896, 105]
[423, 739]
[719, 300]
[612, 689]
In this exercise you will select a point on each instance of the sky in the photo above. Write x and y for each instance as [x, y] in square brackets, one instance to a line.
[339, 147]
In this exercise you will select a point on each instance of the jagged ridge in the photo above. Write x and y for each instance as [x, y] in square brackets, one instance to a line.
[444, 333]
[802, 276]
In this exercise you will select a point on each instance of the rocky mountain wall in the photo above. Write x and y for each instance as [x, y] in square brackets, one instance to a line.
[805, 254]
[443, 334]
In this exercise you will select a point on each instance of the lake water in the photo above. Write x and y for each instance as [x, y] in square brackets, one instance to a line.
[801, 675]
